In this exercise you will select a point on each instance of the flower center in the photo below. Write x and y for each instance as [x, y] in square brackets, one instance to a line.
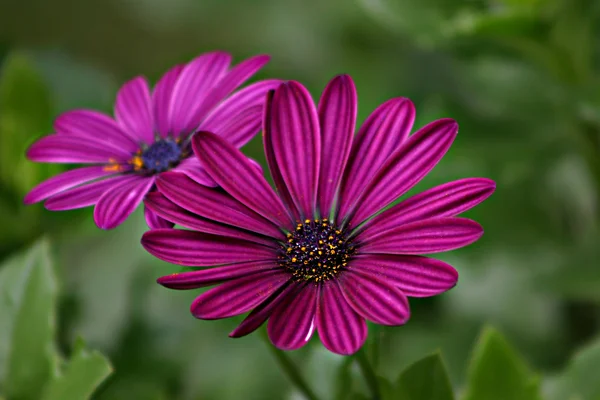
[316, 251]
[161, 156]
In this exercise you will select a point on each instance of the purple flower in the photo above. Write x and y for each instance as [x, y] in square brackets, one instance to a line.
[320, 255]
[149, 135]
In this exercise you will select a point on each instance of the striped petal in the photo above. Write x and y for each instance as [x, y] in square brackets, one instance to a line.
[238, 296]
[74, 149]
[381, 134]
[238, 176]
[405, 168]
[337, 118]
[340, 328]
[154, 220]
[425, 237]
[133, 110]
[116, 205]
[85, 195]
[194, 170]
[297, 144]
[415, 276]
[202, 249]
[161, 100]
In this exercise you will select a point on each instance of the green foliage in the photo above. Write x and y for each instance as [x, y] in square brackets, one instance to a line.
[496, 372]
[30, 364]
[579, 380]
[425, 380]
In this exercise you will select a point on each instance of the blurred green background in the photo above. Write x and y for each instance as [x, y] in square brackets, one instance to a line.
[520, 76]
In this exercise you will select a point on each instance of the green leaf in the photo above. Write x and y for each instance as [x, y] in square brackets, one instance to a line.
[579, 379]
[27, 321]
[498, 373]
[426, 379]
[82, 375]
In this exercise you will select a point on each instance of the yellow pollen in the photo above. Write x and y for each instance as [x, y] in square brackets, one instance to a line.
[307, 221]
[137, 162]
[294, 259]
[303, 248]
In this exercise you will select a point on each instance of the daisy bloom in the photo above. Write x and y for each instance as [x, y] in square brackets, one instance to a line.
[149, 135]
[321, 253]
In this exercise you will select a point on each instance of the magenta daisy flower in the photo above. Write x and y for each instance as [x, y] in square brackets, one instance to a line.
[149, 135]
[319, 254]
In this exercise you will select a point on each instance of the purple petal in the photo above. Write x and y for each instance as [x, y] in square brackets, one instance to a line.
[425, 237]
[293, 322]
[381, 133]
[405, 168]
[232, 79]
[297, 144]
[340, 328]
[235, 173]
[154, 220]
[74, 149]
[375, 299]
[446, 200]
[113, 208]
[238, 296]
[133, 110]
[202, 249]
[243, 126]
[198, 77]
[95, 126]
[192, 168]
[161, 99]
[262, 312]
[337, 118]
[282, 189]
[213, 204]
[64, 181]
[415, 276]
[170, 211]
[251, 96]
[213, 276]
[85, 195]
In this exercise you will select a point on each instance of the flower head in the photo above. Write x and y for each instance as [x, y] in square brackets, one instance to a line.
[149, 135]
[319, 254]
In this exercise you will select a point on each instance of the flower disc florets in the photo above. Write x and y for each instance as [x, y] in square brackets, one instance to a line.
[315, 251]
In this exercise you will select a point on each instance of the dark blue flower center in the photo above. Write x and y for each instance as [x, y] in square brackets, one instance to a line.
[316, 251]
[161, 156]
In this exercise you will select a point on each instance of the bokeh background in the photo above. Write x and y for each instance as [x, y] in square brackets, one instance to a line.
[520, 76]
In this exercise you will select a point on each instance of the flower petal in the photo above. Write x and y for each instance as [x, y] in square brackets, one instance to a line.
[154, 220]
[213, 276]
[235, 173]
[161, 99]
[293, 322]
[243, 126]
[96, 126]
[446, 200]
[405, 168]
[379, 136]
[238, 296]
[232, 79]
[375, 299]
[213, 204]
[85, 195]
[297, 144]
[74, 149]
[263, 311]
[250, 96]
[65, 181]
[170, 211]
[425, 237]
[340, 328]
[133, 110]
[416, 276]
[282, 189]
[192, 168]
[198, 77]
[116, 205]
[337, 118]
[202, 249]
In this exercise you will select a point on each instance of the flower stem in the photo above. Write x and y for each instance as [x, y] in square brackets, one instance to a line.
[290, 369]
[369, 374]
